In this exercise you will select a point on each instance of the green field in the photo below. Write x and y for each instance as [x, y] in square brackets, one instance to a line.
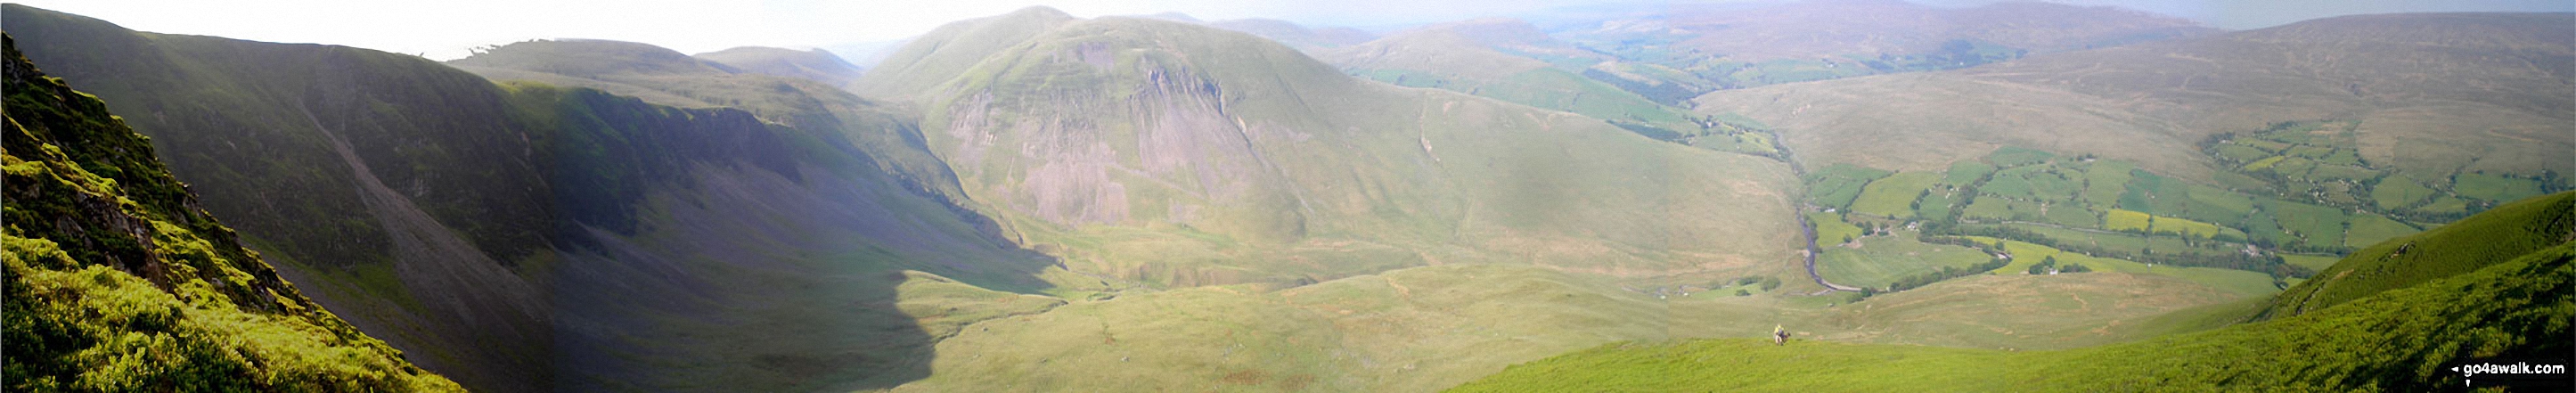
[1935, 205]
[2314, 225]
[1831, 229]
[2391, 341]
[2105, 180]
[1966, 172]
[2317, 262]
[1836, 186]
[2398, 192]
[2367, 229]
[1416, 329]
[2494, 188]
[1881, 260]
[1893, 196]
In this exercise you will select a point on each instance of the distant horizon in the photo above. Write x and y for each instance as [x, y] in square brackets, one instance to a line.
[696, 27]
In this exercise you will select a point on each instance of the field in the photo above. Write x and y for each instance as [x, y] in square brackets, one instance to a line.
[1415, 329]
[2494, 188]
[1836, 186]
[1881, 260]
[2341, 348]
[2312, 224]
[2009, 310]
[2398, 192]
[2233, 281]
[1893, 196]
[1831, 229]
[2368, 229]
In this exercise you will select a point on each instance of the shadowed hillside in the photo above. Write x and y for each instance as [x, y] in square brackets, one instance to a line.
[118, 281]
[523, 237]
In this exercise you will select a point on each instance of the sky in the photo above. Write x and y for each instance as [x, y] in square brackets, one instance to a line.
[447, 29]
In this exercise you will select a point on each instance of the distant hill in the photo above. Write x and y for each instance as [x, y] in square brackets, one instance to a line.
[1709, 48]
[817, 65]
[596, 57]
[1834, 28]
[522, 236]
[2502, 75]
[118, 281]
[1502, 58]
[2394, 336]
[1186, 155]
[935, 58]
[1295, 35]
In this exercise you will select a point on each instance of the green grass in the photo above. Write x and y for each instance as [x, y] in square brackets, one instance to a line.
[1415, 329]
[2398, 192]
[2391, 341]
[2105, 180]
[1831, 229]
[1893, 196]
[2218, 206]
[1836, 186]
[1966, 172]
[2312, 262]
[2314, 225]
[2368, 229]
[2069, 214]
[1935, 206]
[2494, 188]
[1882, 260]
[1989, 209]
[2125, 220]
[2177, 226]
[2468, 245]
[2011, 310]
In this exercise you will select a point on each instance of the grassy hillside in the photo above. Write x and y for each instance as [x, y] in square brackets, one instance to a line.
[1512, 61]
[1293, 35]
[1680, 51]
[888, 137]
[2458, 248]
[816, 65]
[1186, 155]
[2155, 103]
[525, 236]
[2391, 340]
[942, 54]
[118, 281]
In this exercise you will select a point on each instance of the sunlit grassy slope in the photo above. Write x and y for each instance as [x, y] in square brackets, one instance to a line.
[117, 281]
[2456, 248]
[2392, 338]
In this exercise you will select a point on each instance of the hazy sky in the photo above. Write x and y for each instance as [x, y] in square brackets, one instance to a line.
[444, 29]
